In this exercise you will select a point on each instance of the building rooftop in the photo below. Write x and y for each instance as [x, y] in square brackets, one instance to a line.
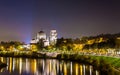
[41, 32]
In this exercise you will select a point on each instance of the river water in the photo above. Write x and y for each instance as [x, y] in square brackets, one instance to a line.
[27, 66]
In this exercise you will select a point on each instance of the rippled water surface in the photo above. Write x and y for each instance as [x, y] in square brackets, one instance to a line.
[26, 66]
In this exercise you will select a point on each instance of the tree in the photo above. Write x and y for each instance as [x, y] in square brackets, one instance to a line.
[40, 44]
[64, 44]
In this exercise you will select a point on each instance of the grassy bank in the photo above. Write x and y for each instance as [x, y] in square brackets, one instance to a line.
[105, 65]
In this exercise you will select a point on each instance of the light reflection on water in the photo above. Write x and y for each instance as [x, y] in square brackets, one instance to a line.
[26, 66]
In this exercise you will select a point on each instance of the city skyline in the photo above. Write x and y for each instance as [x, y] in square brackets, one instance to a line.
[21, 19]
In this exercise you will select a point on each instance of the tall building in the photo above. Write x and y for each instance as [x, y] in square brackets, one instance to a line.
[53, 37]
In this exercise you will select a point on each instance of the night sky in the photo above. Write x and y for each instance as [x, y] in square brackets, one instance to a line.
[21, 19]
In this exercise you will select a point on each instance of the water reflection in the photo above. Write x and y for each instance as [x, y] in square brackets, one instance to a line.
[25, 66]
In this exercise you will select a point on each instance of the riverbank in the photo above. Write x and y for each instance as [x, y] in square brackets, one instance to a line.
[106, 65]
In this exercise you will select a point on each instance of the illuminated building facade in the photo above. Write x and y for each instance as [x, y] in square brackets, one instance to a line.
[53, 37]
[46, 40]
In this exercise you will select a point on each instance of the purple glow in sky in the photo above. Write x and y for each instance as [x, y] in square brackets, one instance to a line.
[22, 19]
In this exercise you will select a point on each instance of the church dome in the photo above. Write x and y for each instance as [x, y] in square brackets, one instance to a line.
[41, 32]
[41, 35]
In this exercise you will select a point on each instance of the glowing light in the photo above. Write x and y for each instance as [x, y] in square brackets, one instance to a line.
[27, 41]
[97, 72]
[33, 47]
[1, 59]
[2, 48]
[50, 65]
[61, 67]
[76, 69]
[81, 69]
[20, 47]
[27, 65]
[20, 66]
[43, 64]
[84, 69]
[34, 66]
[13, 64]
[71, 68]
[65, 69]
[10, 66]
[90, 70]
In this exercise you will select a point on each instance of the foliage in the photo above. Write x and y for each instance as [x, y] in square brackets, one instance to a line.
[65, 44]
[10, 45]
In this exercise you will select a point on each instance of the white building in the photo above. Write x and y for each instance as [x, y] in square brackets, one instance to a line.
[33, 41]
[41, 35]
[53, 37]
[51, 40]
